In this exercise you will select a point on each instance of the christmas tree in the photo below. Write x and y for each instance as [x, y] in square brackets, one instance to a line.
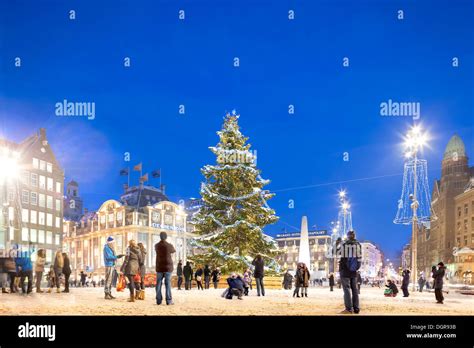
[234, 209]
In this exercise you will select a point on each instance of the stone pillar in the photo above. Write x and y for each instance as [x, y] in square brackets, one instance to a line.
[304, 255]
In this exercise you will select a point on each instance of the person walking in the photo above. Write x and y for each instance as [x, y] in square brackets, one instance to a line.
[198, 276]
[216, 276]
[305, 276]
[67, 272]
[349, 264]
[164, 267]
[24, 270]
[331, 282]
[141, 285]
[188, 275]
[39, 268]
[179, 274]
[110, 260]
[438, 276]
[258, 274]
[405, 282]
[131, 266]
[207, 276]
[421, 282]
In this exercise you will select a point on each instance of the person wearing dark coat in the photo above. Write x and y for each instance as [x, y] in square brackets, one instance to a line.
[131, 266]
[140, 295]
[164, 268]
[438, 276]
[236, 286]
[83, 278]
[216, 276]
[258, 274]
[331, 282]
[179, 274]
[349, 264]
[66, 271]
[207, 276]
[287, 280]
[304, 277]
[188, 275]
[405, 282]
[298, 280]
[25, 270]
[9, 267]
[3, 276]
[198, 277]
[392, 289]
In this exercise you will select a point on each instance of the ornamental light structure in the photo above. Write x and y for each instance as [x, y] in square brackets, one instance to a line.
[8, 173]
[414, 142]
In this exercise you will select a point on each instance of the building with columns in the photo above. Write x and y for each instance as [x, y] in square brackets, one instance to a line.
[372, 260]
[142, 213]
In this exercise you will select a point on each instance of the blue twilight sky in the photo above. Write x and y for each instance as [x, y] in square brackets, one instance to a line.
[282, 62]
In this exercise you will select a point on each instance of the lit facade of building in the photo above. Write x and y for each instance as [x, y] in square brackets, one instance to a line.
[372, 260]
[448, 231]
[319, 242]
[142, 214]
[32, 196]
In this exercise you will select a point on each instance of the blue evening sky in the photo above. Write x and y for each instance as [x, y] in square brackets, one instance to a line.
[282, 62]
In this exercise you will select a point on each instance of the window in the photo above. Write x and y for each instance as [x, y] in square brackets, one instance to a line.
[34, 198]
[58, 187]
[49, 167]
[42, 182]
[58, 222]
[41, 236]
[58, 205]
[49, 220]
[49, 202]
[49, 237]
[42, 165]
[34, 179]
[35, 163]
[49, 255]
[25, 197]
[24, 235]
[24, 215]
[56, 239]
[50, 184]
[25, 177]
[33, 216]
[33, 236]
[41, 220]
[42, 200]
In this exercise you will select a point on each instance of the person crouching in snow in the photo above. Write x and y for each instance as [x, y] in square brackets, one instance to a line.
[236, 286]
[392, 290]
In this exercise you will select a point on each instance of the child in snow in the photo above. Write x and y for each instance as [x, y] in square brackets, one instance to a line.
[392, 290]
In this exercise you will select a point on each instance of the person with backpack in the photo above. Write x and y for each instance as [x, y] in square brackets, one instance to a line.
[349, 264]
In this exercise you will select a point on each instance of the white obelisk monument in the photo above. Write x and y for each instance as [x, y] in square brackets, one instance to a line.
[304, 243]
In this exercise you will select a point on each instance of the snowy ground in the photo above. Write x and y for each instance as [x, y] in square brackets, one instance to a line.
[90, 301]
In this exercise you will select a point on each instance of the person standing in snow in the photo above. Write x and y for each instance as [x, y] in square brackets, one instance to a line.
[216, 276]
[331, 282]
[188, 275]
[349, 264]
[405, 282]
[438, 276]
[179, 274]
[198, 276]
[258, 274]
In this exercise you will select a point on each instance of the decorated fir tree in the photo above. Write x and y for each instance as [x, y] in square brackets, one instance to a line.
[234, 212]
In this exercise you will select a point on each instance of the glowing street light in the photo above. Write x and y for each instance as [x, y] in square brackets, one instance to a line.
[8, 164]
[414, 142]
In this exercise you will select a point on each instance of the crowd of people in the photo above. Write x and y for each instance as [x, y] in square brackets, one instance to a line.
[18, 273]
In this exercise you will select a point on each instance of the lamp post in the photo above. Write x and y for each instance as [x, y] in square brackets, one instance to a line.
[414, 141]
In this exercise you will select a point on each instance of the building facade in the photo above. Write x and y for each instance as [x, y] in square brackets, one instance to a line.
[405, 262]
[438, 241]
[31, 197]
[72, 202]
[319, 242]
[142, 213]
[372, 260]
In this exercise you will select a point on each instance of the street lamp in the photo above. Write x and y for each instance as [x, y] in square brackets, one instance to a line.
[414, 142]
